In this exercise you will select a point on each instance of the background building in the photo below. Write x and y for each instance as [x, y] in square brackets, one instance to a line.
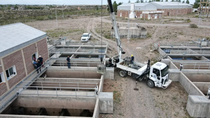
[154, 10]
[19, 43]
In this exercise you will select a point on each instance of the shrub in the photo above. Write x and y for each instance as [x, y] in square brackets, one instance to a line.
[193, 26]
[188, 20]
[149, 35]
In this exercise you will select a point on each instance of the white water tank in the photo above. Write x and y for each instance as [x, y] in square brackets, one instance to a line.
[132, 14]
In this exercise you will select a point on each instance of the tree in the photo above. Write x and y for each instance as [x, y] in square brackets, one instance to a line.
[119, 3]
[96, 8]
[196, 4]
[166, 0]
[15, 7]
[137, 1]
[129, 1]
[187, 2]
[115, 6]
[179, 0]
[142, 1]
[150, 1]
[161, 0]
[183, 1]
[172, 0]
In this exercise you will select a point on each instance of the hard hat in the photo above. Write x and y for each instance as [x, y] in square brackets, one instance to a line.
[131, 55]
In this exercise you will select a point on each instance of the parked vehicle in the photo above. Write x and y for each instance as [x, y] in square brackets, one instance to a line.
[85, 37]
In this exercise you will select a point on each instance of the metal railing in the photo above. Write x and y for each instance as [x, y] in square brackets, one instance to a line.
[57, 91]
[60, 86]
[193, 65]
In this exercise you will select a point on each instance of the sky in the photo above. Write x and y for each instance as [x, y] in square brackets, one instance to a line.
[67, 2]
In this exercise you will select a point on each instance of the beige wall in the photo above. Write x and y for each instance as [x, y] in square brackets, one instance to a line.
[17, 59]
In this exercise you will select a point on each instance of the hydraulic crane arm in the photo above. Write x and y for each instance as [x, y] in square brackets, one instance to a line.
[112, 14]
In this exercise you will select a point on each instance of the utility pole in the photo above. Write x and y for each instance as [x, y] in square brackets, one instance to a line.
[56, 17]
[128, 28]
[62, 11]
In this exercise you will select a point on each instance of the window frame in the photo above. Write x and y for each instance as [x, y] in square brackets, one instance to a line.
[36, 56]
[2, 77]
[11, 75]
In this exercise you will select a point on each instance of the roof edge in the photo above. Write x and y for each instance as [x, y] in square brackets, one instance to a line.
[18, 47]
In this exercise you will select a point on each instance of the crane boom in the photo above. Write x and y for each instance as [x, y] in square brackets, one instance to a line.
[112, 14]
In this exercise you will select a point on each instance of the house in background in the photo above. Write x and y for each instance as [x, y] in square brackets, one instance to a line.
[19, 44]
[154, 10]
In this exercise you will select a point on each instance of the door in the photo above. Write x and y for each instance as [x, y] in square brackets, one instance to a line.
[120, 14]
[155, 16]
[156, 76]
[140, 16]
[148, 16]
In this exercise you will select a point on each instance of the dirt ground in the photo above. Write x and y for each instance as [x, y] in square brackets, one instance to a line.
[146, 102]
[128, 103]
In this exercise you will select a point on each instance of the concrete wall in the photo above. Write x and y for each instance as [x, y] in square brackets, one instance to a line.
[198, 106]
[79, 72]
[174, 74]
[198, 76]
[101, 84]
[96, 109]
[203, 86]
[106, 102]
[35, 116]
[55, 102]
[109, 73]
[189, 86]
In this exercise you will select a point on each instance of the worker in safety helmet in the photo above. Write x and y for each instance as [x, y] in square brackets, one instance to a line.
[132, 59]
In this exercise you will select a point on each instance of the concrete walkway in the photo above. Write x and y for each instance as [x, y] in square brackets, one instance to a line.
[12, 94]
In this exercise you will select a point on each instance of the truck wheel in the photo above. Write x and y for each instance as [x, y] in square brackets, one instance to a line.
[122, 73]
[150, 83]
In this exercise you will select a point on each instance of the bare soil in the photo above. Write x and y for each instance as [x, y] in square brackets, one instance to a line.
[128, 103]
[146, 102]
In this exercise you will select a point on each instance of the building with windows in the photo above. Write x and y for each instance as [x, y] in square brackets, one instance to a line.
[154, 10]
[19, 45]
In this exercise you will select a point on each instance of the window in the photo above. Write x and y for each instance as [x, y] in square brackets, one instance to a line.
[11, 72]
[2, 77]
[34, 56]
[156, 71]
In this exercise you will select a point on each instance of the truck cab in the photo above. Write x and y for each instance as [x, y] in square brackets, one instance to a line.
[158, 76]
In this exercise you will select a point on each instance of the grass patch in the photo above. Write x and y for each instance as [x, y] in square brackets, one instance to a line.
[61, 32]
[117, 96]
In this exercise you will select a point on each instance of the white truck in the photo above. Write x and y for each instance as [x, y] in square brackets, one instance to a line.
[156, 75]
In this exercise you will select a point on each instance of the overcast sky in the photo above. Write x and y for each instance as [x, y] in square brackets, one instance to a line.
[67, 2]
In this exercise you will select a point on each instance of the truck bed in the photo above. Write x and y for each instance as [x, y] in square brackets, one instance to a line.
[137, 68]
